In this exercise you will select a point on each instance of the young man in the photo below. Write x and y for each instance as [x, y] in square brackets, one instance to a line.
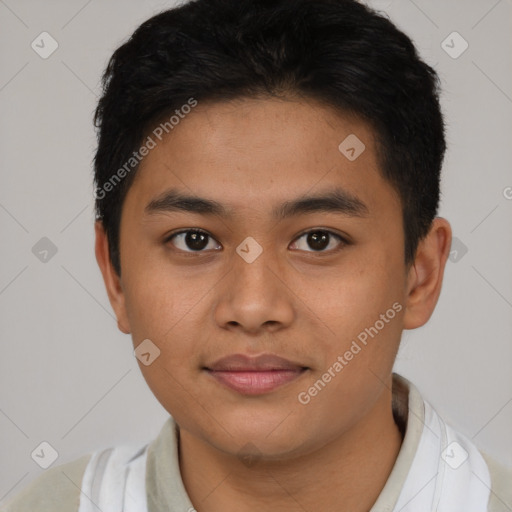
[267, 184]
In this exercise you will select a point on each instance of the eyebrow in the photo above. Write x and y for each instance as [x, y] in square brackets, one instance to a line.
[334, 200]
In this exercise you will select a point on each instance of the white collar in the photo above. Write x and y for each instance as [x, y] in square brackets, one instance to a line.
[437, 469]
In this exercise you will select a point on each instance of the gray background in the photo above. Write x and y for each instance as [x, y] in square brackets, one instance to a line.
[68, 376]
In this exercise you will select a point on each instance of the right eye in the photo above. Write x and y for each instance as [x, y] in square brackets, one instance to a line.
[190, 240]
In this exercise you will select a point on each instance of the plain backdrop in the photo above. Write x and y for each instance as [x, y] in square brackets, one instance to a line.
[68, 376]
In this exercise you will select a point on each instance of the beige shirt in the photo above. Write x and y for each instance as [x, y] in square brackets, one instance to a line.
[58, 488]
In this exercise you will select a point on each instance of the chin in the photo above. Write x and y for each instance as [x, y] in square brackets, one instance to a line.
[256, 436]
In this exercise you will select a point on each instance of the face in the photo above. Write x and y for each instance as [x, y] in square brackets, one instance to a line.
[278, 266]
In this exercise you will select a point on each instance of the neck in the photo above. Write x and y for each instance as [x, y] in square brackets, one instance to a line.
[345, 474]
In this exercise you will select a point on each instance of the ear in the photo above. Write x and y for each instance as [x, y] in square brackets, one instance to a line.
[425, 276]
[111, 279]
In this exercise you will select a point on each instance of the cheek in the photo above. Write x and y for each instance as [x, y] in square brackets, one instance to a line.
[151, 305]
[155, 299]
[355, 297]
[350, 306]
[168, 311]
[161, 311]
[170, 386]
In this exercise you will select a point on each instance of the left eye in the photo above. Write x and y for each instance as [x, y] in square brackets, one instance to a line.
[319, 240]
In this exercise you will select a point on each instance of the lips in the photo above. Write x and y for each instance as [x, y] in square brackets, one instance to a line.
[254, 375]
[243, 363]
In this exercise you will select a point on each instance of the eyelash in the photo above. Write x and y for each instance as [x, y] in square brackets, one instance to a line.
[342, 240]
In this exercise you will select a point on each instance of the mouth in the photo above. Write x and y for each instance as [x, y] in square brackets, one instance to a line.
[255, 375]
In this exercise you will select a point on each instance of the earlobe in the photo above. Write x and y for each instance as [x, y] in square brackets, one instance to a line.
[111, 279]
[426, 274]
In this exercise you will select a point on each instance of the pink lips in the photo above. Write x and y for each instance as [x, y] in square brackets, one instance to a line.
[254, 375]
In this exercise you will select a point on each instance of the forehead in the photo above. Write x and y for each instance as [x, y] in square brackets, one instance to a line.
[251, 152]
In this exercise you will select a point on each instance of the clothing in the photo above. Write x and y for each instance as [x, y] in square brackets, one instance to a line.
[437, 469]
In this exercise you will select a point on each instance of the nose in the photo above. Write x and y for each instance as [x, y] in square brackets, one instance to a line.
[254, 296]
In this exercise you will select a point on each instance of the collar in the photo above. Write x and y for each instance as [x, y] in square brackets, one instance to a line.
[423, 478]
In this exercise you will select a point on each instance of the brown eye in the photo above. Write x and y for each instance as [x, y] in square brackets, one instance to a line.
[191, 240]
[320, 240]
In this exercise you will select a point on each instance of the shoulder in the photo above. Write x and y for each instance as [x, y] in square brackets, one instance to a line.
[55, 490]
[501, 485]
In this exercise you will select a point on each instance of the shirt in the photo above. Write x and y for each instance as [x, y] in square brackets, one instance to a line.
[63, 488]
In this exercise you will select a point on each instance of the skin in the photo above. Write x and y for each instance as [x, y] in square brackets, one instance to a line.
[294, 301]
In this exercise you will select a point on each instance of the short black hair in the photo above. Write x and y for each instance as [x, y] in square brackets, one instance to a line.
[338, 52]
